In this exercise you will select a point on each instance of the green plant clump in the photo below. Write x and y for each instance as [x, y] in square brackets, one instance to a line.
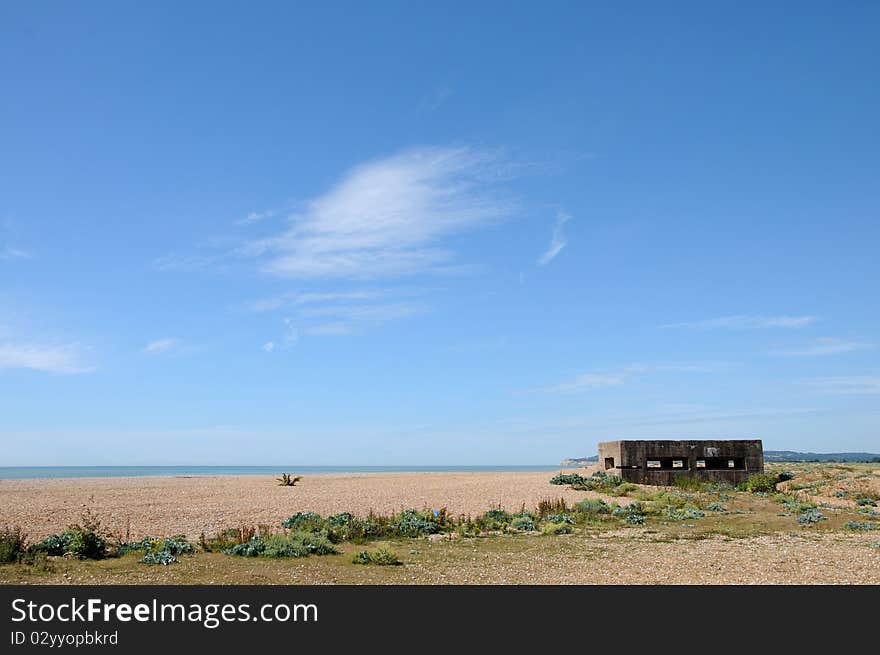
[550, 529]
[861, 525]
[162, 557]
[12, 544]
[523, 523]
[304, 521]
[760, 483]
[811, 515]
[380, 557]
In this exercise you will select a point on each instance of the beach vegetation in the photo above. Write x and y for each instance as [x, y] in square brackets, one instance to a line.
[380, 557]
[288, 480]
[759, 483]
[12, 544]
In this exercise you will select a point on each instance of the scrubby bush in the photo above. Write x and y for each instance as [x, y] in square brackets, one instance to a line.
[716, 507]
[811, 516]
[560, 518]
[288, 480]
[568, 479]
[759, 483]
[690, 483]
[548, 506]
[523, 523]
[861, 525]
[250, 548]
[175, 545]
[83, 540]
[12, 544]
[599, 481]
[162, 557]
[592, 506]
[556, 528]
[413, 523]
[294, 544]
[866, 502]
[380, 557]
[304, 521]
[684, 513]
[633, 514]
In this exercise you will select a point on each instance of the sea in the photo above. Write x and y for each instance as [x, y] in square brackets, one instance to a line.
[23, 472]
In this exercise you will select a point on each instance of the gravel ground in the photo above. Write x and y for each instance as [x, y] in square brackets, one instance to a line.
[190, 505]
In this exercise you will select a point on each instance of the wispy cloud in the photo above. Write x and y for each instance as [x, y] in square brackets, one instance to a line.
[557, 242]
[269, 346]
[13, 253]
[296, 299]
[42, 357]
[746, 322]
[387, 217]
[847, 385]
[257, 217]
[603, 379]
[824, 346]
[436, 97]
[161, 346]
[175, 262]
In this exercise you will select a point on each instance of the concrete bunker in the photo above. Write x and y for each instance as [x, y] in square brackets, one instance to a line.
[661, 461]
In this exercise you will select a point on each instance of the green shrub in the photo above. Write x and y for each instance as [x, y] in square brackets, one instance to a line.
[251, 548]
[523, 524]
[811, 515]
[683, 513]
[362, 557]
[83, 540]
[380, 557]
[12, 544]
[568, 479]
[304, 521]
[690, 483]
[716, 507]
[632, 514]
[862, 525]
[556, 528]
[412, 523]
[560, 518]
[866, 502]
[295, 544]
[759, 483]
[592, 506]
[162, 557]
[175, 545]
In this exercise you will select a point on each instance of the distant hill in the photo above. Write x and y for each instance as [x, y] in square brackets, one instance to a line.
[769, 456]
[794, 456]
[579, 461]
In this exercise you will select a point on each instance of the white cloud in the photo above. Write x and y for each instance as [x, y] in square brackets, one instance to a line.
[557, 242]
[437, 96]
[256, 217]
[14, 253]
[269, 346]
[296, 299]
[847, 385]
[744, 322]
[592, 380]
[184, 262]
[160, 346]
[387, 217]
[824, 346]
[49, 358]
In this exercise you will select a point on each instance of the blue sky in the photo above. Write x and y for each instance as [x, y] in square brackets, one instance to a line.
[435, 233]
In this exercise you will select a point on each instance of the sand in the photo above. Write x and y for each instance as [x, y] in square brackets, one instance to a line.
[190, 505]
